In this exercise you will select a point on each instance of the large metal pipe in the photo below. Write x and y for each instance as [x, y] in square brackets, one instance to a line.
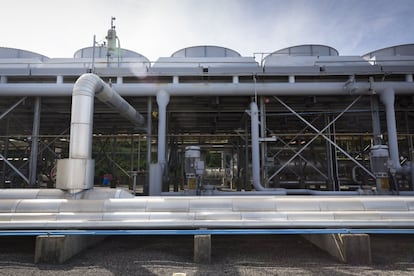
[162, 100]
[196, 212]
[76, 173]
[85, 89]
[254, 116]
[388, 99]
[213, 89]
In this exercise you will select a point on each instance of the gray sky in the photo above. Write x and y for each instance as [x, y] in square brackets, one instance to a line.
[156, 28]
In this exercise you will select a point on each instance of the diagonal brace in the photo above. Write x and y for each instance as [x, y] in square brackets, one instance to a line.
[320, 133]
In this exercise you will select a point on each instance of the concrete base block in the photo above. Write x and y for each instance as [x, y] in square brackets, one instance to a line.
[59, 248]
[202, 249]
[347, 248]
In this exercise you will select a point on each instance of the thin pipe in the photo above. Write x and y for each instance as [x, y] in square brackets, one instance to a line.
[149, 141]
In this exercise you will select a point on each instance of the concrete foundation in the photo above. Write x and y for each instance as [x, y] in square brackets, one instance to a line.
[347, 248]
[202, 249]
[59, 248]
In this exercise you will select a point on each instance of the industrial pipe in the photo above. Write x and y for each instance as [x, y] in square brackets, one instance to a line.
[158, 170]
[85, 89]
[162, 100]
[388, 99]
[213, 89]
[76, 173]
[254, 116]
[196, 212]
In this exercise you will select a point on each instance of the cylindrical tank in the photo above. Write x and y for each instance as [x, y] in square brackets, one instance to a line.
[398, 50]
[307, 50]
[206, 51]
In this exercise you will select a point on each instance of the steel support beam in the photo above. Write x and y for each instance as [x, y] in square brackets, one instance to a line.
[320, 133]
[16, 170]
[5, 113]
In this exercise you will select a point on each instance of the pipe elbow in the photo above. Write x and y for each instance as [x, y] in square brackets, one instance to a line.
[88, 84]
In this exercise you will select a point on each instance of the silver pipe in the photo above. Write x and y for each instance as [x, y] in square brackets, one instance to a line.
[162, 100]
[388, 99]
[254, 116]
[77, 172]
[149, 142]
[84, 90]
[97, 193]
[321, 193]
[35, 142]
[213, 89]
[194, 212]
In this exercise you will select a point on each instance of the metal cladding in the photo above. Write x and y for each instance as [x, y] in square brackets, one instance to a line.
[208, 212]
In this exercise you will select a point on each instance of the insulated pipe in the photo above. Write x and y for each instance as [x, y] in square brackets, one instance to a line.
[213, 89]
[77, 172]
[84, 90]
[254, 115]
[162, 100]
[196, 212]
[388, 99]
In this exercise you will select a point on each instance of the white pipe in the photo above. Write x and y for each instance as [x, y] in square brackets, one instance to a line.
[84, 90]
[388, 99]
[212, 89]
[76, 173]
[162, 100]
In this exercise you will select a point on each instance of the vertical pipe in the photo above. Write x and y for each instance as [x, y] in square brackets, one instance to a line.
[139, 153]
[163, 99]
[263, 135]
[6, 153]
[132, 165]
[254, 114]
[149, 145]
[246, 185]
[376, 125]
[35, 143]
[388, 99]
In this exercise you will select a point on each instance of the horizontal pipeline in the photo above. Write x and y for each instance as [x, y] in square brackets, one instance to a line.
[214, 89]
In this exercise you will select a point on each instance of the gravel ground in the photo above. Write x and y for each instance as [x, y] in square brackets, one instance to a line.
[231, 255]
